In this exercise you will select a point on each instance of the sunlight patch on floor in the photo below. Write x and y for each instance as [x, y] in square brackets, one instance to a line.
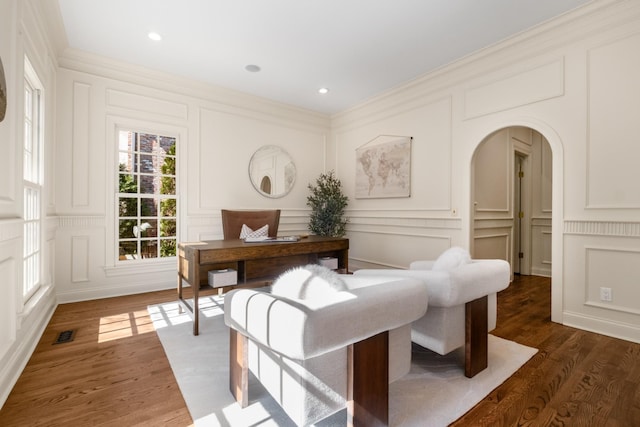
[253, 415]
[124, 325]
[173, 313]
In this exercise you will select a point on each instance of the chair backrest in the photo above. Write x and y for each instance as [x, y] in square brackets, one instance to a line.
[232, 221]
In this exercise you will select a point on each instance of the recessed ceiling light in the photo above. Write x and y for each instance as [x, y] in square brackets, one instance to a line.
[154, 36]
[323, 90]
[252, 68]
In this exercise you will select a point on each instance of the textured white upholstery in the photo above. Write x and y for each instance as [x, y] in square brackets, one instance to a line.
[298, 347]
[442, 329]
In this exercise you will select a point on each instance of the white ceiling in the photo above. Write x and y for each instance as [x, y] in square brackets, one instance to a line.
[357, 48]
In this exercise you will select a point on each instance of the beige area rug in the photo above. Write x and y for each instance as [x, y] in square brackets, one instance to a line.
[434, 393]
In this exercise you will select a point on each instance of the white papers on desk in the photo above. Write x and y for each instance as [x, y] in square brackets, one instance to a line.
[257, 239]
[271, 239]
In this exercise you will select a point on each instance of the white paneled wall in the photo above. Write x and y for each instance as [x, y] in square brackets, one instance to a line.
[22, 321]
[215, 142]
[571, 81]
[572, 85]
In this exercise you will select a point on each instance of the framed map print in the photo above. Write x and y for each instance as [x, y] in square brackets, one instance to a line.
[383, 167]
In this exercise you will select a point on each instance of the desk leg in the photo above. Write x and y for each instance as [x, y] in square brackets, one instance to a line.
[180, 278]
[196, 297]
[343, 263]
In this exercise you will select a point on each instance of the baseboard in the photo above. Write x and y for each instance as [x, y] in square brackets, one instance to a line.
[544, 272]
[110, 292]
[21, 351]
[623, 331]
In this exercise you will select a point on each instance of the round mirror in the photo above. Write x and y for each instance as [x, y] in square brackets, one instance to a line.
[272, 171]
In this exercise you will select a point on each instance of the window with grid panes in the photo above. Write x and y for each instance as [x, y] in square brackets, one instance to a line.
[146, 198]
[32, 181]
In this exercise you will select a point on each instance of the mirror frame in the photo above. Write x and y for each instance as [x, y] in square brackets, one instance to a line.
[272, 171]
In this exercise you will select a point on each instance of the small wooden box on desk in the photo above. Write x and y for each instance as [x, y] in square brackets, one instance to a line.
[256, 264]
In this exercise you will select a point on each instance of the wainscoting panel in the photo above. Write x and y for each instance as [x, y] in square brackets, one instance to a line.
[492, 177]
[80, 259]
[391, 250]
[496, 245]
[605, 259]
[8, 310]
[541, 247]
[617, 269]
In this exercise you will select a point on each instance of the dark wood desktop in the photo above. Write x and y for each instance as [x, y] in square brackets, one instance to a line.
[256, 263]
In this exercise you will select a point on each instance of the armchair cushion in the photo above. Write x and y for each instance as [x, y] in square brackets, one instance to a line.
[452, 258]
[312, 282]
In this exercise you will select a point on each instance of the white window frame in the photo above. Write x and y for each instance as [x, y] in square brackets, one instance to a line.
[140, 219]
[33, 142]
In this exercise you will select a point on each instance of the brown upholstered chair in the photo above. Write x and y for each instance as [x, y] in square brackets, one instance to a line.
[232, 221]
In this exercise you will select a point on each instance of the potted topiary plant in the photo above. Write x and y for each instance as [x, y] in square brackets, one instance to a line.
[328, 204]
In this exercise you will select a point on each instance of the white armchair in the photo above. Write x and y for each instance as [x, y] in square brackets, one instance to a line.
[318, 346]
[462, 303]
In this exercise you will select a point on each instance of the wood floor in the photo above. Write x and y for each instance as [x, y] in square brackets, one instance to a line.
[115, 372]
[577, 378]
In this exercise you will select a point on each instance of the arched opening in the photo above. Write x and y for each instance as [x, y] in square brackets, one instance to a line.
[514, 181]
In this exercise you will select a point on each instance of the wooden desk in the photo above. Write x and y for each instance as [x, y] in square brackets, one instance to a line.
[256, 263]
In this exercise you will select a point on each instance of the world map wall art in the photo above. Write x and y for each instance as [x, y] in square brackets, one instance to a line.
[383, 167]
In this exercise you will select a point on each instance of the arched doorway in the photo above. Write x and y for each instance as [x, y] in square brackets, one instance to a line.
[515, 198]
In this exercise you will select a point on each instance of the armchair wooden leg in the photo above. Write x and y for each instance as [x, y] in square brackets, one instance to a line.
[239, 367]
[368, 387]
[476, 341]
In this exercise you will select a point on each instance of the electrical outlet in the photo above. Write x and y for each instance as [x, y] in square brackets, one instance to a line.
[605, 294]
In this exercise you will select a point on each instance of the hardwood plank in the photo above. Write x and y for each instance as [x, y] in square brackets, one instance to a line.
[114, 373]
[577, 378]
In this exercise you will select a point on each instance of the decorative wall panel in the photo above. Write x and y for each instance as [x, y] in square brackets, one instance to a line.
[492, 246]
[80, 258]
[536, 84]
[80, 145]
[146, 104]
[613, 138]
[7, 304]
[617, 269]
[492, 179]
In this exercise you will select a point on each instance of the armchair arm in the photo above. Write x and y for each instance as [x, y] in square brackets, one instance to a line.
[421, 265]
[459, 285]
[300, 331]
